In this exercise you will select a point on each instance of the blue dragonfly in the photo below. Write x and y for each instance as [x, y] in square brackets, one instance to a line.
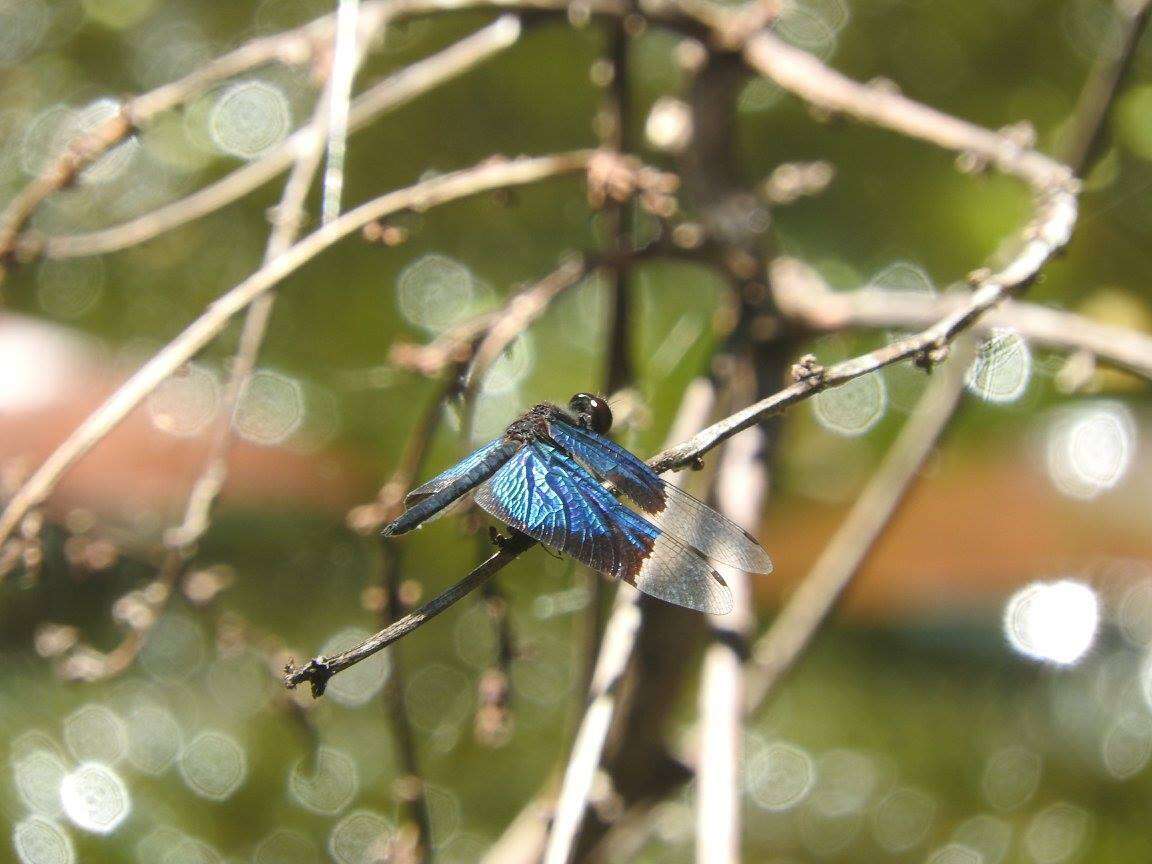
[546, 477]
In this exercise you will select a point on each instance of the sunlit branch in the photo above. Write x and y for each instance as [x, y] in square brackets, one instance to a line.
[319, 670]
[489, 175]
[343, 73]
[292, 46]
[397, 89]
[287, 221]
[1108, 75]
[1044, 236]
[797, 622]
[804, 75]
[616, 651]
[741, 491]
[821, 309]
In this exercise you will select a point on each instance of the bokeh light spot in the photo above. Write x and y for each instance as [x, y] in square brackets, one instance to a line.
[325, 782]
[213, 765]
[187, 402]
[845, 783]
[1127, 746]
[361, 837]
[1002, 368]
[95, 798]
[902, 819]
[271, 408]
[69, 288]
[240, 683]
[249, 119]
[1057, 833]
[443, 813]
[902, 276]
[1053, 621]
[284, 846]
[190, 850]
[986, 834]
[94, 733]
[154, 738]
[813, 24]
[955, 853]
[1011, 777]
[175, 648]
[37, 775]
[42, 841]
[853, 408]
[437, 696]
[435, 292]
[780, 775]
[1090, 448]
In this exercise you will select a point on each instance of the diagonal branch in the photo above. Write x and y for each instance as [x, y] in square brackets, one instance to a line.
[794, 626]
[1104, 83]
[396, 90]
[819, 308]
[1046, 235]
[287, 221]
[291, 46]
[804, 75]
[489, 175]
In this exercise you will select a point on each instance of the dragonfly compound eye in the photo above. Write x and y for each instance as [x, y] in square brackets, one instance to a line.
[592, 410]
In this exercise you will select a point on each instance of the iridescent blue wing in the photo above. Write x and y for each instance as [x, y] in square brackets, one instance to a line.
[426, 501]
[673, 509]
[545, 494]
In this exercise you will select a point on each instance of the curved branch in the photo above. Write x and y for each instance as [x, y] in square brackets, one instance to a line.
[804, 75]
[291, 46]
[1046, 235]
[396, 90]
[779, 648]
[819, 308]
[489, 175]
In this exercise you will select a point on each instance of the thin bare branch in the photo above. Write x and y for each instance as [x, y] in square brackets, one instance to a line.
[1104, 83]
[819, 308]
[397, 89]
[343, 72]
[615, 654]
[798, 621]
[292, 46]
[741, 490]
[287, 222]
[804, 75]
[489, 175]
[319, 670]
[1044, 236]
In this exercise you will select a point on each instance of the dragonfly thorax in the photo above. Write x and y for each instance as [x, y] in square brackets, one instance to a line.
[532, 425]
[584, 410]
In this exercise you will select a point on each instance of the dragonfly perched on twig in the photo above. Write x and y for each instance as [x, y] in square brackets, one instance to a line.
[545, 477]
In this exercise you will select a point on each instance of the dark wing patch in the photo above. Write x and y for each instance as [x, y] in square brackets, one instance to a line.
[551, 498]
[674, 510]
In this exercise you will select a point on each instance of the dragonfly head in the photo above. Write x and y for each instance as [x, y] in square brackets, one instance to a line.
[592, 412]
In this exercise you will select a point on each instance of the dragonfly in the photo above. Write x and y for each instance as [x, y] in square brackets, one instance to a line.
[555, 476]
